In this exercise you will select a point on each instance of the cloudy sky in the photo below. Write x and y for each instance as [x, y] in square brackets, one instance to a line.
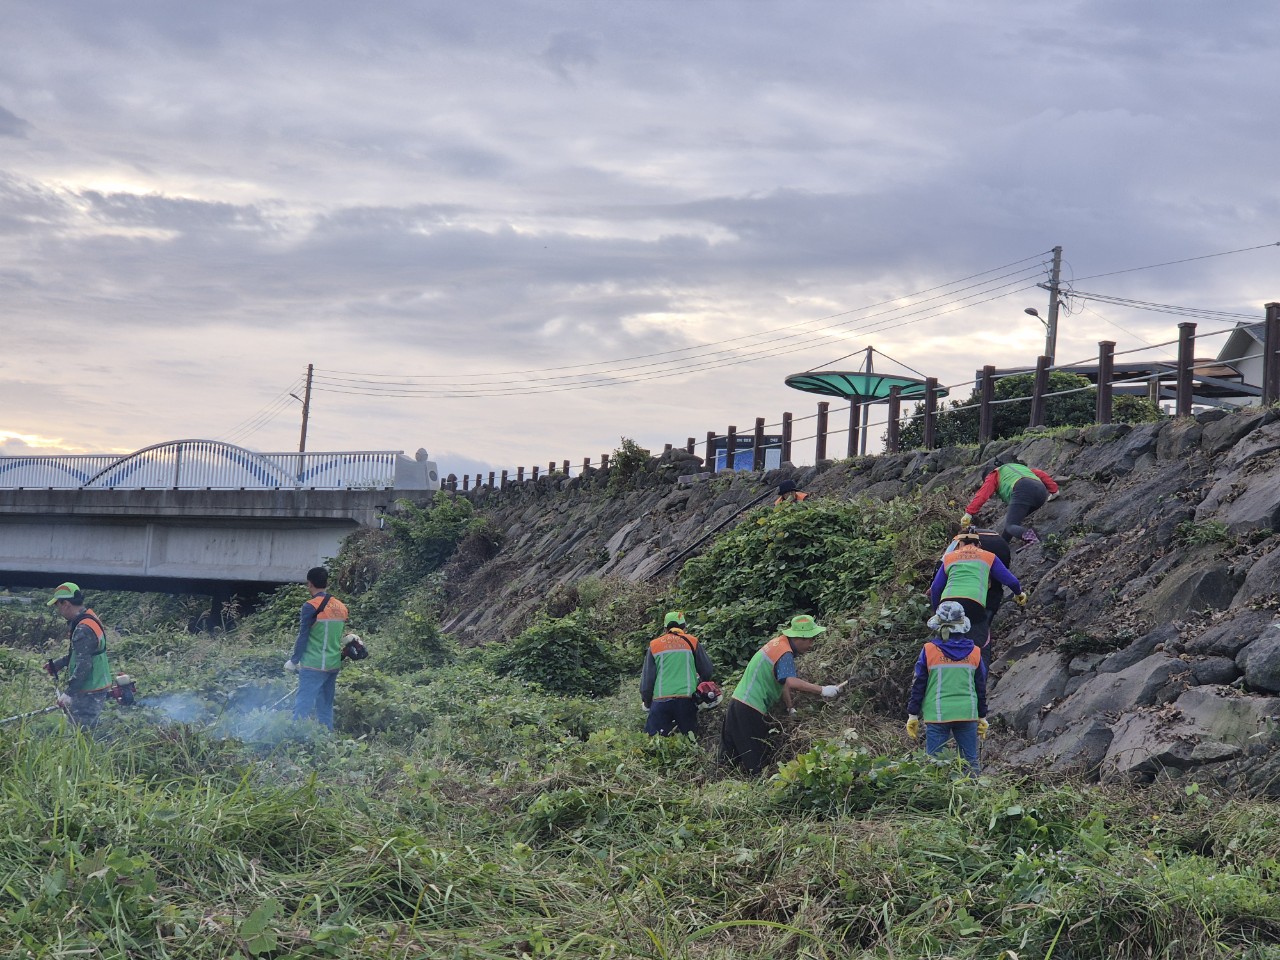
[514, 232]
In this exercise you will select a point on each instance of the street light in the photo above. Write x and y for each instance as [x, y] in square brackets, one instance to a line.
[1050, 330]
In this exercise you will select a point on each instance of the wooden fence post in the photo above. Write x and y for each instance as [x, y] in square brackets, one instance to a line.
[492, 480]
[535, 472]
[504, 481]
[855, 414]
[820, 447]
[757, 455]
[604, 461]
[1106, 373]
[930, 412]
[566, 468]
[786, 437]
[1271, 355]
[1186, 361]
[731, 448]
[711, 451]
[986, 412]
[891, 441]
[519, 474]
[1039, 388]
[690, 445]
[466, 482]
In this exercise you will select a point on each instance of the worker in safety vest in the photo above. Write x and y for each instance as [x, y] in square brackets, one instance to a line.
[317, 653]
[992, 542]
[770, 676]
[965, 574]
[89, 675]
[1025, 489]
[676, 666]
[949, 687]
[787, 493]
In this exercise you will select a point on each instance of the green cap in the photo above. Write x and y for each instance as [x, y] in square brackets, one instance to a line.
[803, 627]
[65, 591]
[676, 617]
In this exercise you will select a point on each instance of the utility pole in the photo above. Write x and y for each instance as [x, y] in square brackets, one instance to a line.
[306, 409]
[1051, 326]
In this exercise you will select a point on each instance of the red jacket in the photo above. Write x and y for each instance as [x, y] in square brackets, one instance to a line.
[992, 483]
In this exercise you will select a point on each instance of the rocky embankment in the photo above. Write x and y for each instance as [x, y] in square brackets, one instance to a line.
[1149, 647]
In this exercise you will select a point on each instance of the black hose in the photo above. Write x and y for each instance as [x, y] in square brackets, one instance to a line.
[710, 533]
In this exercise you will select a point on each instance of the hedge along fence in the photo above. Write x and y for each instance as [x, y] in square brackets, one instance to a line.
[1185, 372]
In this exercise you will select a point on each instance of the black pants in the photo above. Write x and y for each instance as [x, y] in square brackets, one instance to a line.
[1027, 496]
[672, 715]
[979, 621]
[744, 739]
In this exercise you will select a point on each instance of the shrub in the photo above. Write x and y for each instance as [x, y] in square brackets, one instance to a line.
[562, 656]
[425, 537]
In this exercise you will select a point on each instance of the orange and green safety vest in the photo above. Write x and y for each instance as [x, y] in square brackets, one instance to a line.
[674, 657]
[968, 569]
[759, 687]
[324, 643]
[951, 694]
[99, 669]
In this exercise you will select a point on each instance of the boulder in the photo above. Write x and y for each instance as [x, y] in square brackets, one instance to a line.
[1077, 749]
[1193, 587]
[1111, 452]
[1145, 742]
[1157, 679]
[1260, 662]
[1223, 714]
[1213, 670]
[1225, 433]
[1228, 636]
[1179, 440]
[1027, 686]
[1139, 650]
[1263, 579]
[1246, 499]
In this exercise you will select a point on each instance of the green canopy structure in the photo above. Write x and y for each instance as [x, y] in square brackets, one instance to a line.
[859, 387]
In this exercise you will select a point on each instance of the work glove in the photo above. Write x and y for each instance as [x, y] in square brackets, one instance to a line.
[966, 522]
[1049, 498]
[830, 690]
[791, 711]
[1021, 599]
[64, 701]
[983, 727]
[51, 669]
[913, 727]
[290, 666]
[646, 706]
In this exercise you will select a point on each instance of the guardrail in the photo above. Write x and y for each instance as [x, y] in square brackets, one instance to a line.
[210, 465]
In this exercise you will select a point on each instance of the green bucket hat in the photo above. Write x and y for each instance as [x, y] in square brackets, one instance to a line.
[676, 617]
[65, 591]
[803, 627]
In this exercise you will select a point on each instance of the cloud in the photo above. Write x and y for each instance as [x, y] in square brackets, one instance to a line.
[12, 125]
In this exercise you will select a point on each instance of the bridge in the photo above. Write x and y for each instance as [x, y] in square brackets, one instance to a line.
[192, 516]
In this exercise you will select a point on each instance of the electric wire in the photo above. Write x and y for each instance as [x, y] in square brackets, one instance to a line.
[268, 412]
[1170, 263]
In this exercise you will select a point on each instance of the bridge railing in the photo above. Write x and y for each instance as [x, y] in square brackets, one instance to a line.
[203, 465]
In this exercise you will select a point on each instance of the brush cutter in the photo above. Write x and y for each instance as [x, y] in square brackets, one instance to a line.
[29, 713]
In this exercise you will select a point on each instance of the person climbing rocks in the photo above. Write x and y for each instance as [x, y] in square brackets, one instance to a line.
[966, 575]
[992, 542]
[949, 687]
[745, 740]
[788, 493]
[674, 666]
[1025, 489]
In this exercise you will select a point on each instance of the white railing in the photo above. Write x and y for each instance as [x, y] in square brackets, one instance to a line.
[202, 465]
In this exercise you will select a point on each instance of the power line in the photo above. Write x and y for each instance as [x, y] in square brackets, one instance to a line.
[1166, 307]
[1170, 263]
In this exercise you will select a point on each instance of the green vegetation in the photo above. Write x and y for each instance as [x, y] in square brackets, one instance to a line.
[462, 813]
[1193, 533]
[956, 427]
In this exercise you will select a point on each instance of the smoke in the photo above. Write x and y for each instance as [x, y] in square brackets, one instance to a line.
[254, 714]
[177, 707]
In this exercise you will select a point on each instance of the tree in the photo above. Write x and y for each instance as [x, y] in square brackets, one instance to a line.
[1073, 409]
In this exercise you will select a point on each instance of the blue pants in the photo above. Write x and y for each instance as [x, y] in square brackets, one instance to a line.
[315, 695]
[965, 733]
[671, 715]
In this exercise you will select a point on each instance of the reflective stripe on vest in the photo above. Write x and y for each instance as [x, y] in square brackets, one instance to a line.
[99, 669]
[677, 673]
[968, 573]
[951, 694]
[324, 645]
[759, 687]
[1010, 474]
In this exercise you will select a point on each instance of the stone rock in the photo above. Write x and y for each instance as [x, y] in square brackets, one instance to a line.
[1113, 453]
[1026, 687]
[1246, 499]
[1157, 679]
[1077, 749]
[1178, 440]
[1139, 650]
[1192, 588]
[1230, 635]
[1225, 433]
[1146, 500]
[1260, 662]
[1147, 741]
[1263, 579]
[1213, 670]
[1220, 713]
[1085, 663]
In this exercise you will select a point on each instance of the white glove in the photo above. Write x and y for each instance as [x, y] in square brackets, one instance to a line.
[791, 711]
[830, 690]
[1050, 498]
[290, 666]
[645, 705]
[64, 700]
